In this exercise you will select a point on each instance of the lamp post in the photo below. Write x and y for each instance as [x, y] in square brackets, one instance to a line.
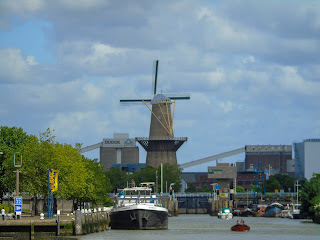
[296, 184]
[17, 164]
[214, 185]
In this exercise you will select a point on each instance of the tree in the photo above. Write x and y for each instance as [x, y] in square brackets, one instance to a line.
[191, 188]
[240, 189]
[171, 174]
[118, 178]
[11, 140]
[205, 188]
[147, 174]
[310, 198]
[272, 183]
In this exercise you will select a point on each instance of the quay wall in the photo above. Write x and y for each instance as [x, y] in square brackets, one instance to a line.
[35, 228]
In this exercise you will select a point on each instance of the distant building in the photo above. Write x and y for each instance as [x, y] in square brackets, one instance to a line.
[195, 178]
[130, 167]
[117, 150]
[223, 174]
[273, 158]
[245, 179]
[307, 158]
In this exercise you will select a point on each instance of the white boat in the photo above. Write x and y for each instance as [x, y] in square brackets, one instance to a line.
[225, 213]
[138, 208]
[295, 210]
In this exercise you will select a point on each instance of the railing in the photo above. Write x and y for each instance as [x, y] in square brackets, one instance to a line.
[161, 138]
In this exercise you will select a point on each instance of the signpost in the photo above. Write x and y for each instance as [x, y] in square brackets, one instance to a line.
[17, 163]
[18, 206]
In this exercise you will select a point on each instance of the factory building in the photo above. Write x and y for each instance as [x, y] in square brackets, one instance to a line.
[118, 150]
[307, 158]
[269, 158]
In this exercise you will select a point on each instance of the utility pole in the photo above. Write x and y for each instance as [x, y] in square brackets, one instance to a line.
[18, 164]
[161, 178]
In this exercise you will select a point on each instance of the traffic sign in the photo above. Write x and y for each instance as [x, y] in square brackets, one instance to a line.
[17, 208]
[18, 204]
[218, 187]
[18, 201]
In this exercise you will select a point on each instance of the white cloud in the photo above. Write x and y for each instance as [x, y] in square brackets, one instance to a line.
[82, 4]
[292, 81]
[226, 106]
[76, 125]
[13, 66]
[249, 59]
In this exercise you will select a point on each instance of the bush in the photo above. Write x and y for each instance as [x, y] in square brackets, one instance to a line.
[7, 208]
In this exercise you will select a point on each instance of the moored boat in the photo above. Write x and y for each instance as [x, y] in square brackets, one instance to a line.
[274, 210]
[137, 208]
[240, 226]
[225, 213]
[247, 213]
[295, 210]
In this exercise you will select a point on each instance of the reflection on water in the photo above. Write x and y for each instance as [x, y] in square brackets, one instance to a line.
[198, 227]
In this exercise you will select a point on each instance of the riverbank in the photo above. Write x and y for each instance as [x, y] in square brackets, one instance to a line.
[29, 227]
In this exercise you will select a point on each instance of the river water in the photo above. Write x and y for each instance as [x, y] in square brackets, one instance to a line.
[198, 227]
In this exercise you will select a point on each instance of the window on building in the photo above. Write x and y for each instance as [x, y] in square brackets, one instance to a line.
[247, 182]
[214, 171]
[240, 183]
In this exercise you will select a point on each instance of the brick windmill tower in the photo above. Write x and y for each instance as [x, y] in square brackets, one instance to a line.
[161, 145]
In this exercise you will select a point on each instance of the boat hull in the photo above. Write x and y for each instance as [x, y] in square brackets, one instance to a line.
[240, 228]
[139, 219]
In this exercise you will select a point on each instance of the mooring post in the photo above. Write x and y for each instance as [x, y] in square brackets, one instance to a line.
[78, 224]
[58, 222]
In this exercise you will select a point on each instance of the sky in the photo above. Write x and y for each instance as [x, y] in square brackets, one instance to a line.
[252, 69]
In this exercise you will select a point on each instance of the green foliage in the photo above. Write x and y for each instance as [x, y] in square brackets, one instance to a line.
[171, 174]
[310, 198]
[280, 181]
[240, 189]
[191, 188]
[79, 178]
[8, 209]
[147, 174]
[11, 140]
[272, 183]
[205, 188]
[118, 178]
[251, 188]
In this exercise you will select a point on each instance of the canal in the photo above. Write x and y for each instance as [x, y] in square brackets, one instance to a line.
[198, 227]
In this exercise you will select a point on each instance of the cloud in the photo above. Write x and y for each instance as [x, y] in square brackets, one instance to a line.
[21, 8]
[77, 125]
[14, 67]
[290, 80]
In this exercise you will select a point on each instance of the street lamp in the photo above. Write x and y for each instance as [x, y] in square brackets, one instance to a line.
[296, 184]
[214, 185]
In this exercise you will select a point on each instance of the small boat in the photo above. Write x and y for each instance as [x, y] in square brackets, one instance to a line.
[225, 213]
[286, 214]
[248, 213]
[295, 210]
[240, 226]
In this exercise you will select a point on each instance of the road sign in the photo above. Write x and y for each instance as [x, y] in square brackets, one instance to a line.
[17, 208]
[18, 205]
[218, 187]
[18, 200]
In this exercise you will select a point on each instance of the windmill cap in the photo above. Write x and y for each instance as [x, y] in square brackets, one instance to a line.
[160, 98]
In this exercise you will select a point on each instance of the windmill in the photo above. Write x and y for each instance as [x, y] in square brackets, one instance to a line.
[161, 145]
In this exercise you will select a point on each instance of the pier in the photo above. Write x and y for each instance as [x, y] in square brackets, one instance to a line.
[80, 223]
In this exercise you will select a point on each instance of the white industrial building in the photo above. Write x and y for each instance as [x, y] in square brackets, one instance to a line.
[307, 158]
